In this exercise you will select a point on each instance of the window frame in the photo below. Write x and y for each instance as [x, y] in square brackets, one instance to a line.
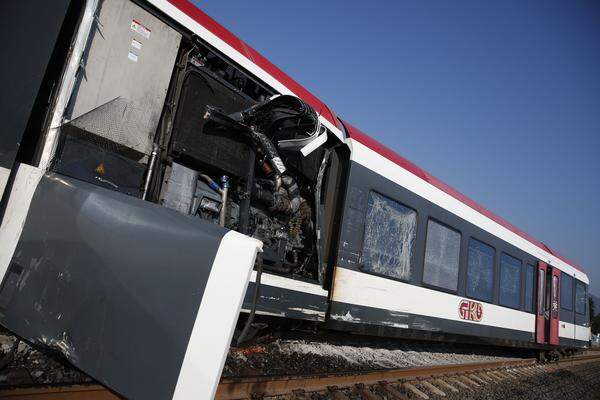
[533, 291]
[519, 275]
[432, 286]
[494, 278]
[361, 265]
[585, 304]
[540, 298]
[561, 291]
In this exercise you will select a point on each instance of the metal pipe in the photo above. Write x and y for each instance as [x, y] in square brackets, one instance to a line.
[150, 171]
[225, 188]
[245, 202]
[244, 335]
[212, 184]
[277, 181]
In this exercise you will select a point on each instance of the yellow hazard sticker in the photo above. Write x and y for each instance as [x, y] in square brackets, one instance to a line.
[100, 169]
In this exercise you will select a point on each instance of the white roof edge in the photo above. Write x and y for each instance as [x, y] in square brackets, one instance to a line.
[387, 168]
[194, 26]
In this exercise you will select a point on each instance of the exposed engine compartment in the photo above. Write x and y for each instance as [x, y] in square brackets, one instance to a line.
[229, 165]
[205, 139]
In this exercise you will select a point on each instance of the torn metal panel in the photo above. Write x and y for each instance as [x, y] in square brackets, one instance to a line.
[287, 300]
[126, 289]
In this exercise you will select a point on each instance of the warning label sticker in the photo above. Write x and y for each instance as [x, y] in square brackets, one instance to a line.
[141, 29]
[135, 44]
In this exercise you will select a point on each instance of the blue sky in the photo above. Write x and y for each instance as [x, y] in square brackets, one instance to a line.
[500, 100]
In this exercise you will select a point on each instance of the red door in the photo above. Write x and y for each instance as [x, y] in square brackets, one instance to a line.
[555, 306]
[548, 304]
[540, 324]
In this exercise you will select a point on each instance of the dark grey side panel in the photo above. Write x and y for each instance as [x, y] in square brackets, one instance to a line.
[287, 303]
[111, 282]
[29, 31]
[362, 180]
[391, 323]
[564, 342]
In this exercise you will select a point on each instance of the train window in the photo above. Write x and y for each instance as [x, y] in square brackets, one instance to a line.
[529, 280]
[389, 240]
[541, 286]
[441, 256]
[480, 270]
[580, 298]
[566, 291]
[510, 281]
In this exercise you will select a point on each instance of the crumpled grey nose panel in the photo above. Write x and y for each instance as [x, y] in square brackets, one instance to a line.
[111, 282]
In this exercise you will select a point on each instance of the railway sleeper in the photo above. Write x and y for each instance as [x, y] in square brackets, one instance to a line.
[336, 394]
[364, 392]
[477, 379]
[446, 385]
[410, 387]
[433, 389]
[390, 391]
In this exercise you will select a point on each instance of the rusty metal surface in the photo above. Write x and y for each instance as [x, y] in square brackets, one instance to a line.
[231, 389]
[75, 392]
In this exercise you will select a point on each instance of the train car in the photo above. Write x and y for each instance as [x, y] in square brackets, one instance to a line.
[159, 177]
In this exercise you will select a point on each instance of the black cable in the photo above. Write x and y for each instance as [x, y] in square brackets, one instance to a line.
[242, 337]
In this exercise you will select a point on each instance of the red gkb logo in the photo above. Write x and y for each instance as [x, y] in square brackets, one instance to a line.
[470, 310]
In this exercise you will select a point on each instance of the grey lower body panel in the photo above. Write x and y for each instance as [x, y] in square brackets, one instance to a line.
[382, 322]
[284, 302]
[566, 342]
[111, 282]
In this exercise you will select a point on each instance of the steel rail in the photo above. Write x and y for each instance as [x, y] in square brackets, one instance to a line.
[243, 388]
[246, 387]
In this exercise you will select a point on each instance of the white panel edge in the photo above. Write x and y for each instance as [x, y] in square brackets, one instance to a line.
[217, 315]
[23, 188]
[392, 171]
[4, 174]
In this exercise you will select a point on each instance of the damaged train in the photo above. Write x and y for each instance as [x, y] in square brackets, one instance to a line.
[159, 177]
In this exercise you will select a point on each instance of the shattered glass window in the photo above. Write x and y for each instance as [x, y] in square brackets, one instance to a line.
[529, 279]
[480, 270]
[580, 298]
[389, 238]
[566, 291]
[510, 281]
[441, 256]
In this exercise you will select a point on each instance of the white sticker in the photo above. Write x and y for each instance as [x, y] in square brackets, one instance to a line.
[133, 57]
[139, 28]
[135, 44]
[279, 165]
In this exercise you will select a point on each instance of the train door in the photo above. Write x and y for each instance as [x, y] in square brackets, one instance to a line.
[547, 304]
[554, 306]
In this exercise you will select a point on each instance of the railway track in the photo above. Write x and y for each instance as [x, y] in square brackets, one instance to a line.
[417, 382]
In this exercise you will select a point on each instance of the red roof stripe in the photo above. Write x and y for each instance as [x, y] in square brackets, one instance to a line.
[386, 152]
[220, 31]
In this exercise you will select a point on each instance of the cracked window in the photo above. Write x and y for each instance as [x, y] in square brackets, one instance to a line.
[389, 238]
[441, 256]
[510, 281]
[480, 270]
